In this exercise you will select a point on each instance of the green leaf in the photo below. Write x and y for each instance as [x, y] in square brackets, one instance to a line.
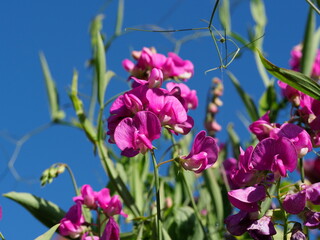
[235, 142]
[246, 99]
[55, 112]
[95, 28]
[310, 46]
[224, 15]
[100, 64]
[215, 194]
[78, 107]
[45, 211]
[268, 100]
[295, 79]
[48, 235]
[258, 12]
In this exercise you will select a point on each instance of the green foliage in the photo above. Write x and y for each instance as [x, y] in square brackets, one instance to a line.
[45, 211]
[296, 80]
[48, 234]
[55, 112]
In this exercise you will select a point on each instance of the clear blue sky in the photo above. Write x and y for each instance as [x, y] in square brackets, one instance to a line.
[60, 29]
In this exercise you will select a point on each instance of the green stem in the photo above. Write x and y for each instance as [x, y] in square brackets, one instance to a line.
[157, 186]
[285, 217]
[301, 169]
[194, 205]
[73, 180]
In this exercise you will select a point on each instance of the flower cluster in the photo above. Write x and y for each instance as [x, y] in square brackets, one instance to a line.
[147, 59]
[74, 223]
[137, 116]
[258, 168]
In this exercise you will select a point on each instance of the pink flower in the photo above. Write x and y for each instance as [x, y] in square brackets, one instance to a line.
[262, 127]
[134, 135]
[176, 67]
[312, 219]
[110, 205]
[186, 96]
[247, 199]
[147, 59]
[204, 153]
[237, 224]
[169, 110]
[277, 155]
[88, 197]
[71, 224]
[112, 231]
[298, 136]
[262, 229]
[295, 203]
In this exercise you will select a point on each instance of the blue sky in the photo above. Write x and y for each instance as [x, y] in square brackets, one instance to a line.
[60, 30]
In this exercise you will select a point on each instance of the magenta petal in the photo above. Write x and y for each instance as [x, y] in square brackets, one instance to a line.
[313, 193]
[295, 203]
[112, 231]
[124, 134]
[262, 228]
[247, 199]
[148, 124]
[312, 219]
[237, 224]
[264, 154]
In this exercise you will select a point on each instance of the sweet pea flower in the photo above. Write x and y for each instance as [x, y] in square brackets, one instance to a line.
[290, 93]
[262, 127]
[247, 199]
[238, 224]
[295, 61]
[312, 219]
[186, 96]
[176, 67]
[295, 203]
[88, 197]
[262, 228]
[276, 155]
[169, 110]
[204, 153]
[298, 136]
[134, 135]
[297, 233]
[110, 205]
[112, 231]
[71, 224]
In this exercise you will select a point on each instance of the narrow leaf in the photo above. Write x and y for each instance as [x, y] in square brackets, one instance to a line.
[310, 47]
[258, 12]
[48, 235]
[45, 211]
[296, 80]
[246, 99]
[224, 15]
[55, 112]
[100, 64]
[235, 142]
[119, 22]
